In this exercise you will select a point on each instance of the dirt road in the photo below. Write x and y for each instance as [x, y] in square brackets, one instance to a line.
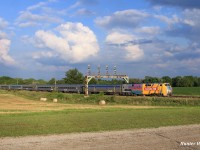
[164, 138]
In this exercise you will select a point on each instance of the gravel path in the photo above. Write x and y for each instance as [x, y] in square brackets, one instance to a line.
[164, 138]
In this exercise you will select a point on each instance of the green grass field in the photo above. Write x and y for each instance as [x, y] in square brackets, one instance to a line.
[90, 120]
[186, 91]
[22, 114]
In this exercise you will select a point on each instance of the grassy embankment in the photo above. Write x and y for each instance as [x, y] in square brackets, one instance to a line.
[113, 99]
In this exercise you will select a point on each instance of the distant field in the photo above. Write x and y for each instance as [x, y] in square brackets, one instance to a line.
[186, 91]
[20, 116]
[11, 104]
[15, 104]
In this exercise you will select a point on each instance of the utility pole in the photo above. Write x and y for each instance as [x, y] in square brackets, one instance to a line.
[55, 84]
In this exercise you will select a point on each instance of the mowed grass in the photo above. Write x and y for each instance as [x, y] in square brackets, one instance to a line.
[90, 120]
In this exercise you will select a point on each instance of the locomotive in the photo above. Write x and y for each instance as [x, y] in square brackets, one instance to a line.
[160, 89]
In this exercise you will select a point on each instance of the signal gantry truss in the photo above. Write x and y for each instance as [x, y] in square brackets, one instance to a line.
[107, 76]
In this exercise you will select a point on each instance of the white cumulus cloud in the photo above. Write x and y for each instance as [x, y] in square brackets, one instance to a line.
[118, 38]
[170, 21]
[74, 43]
[191, 17]
[122, 19]
[30, 16]
[27, 19]
[5, 58]
[3, 23]
[132, 52]
[149, 30]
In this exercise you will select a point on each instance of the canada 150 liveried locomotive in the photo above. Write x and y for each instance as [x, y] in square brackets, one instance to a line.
[162, 89]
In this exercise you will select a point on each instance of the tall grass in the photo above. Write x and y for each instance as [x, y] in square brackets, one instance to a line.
[156, 101]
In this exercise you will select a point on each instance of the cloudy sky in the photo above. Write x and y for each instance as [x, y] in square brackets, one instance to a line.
[43, 39]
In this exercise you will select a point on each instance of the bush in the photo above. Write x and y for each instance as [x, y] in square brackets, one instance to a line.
[110, 99]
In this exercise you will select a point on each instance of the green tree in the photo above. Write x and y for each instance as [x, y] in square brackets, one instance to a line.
[7, 80]
[62, 81]
[93, 81]
[185, 81]
[30, 81]
[188, 81]
[176, 81]
[73, 76]
[52, 81]
[149, 79]
[197, 81]
[41, 81]
[135, 80]
[167, 79]
[116, 81]
[19, 80]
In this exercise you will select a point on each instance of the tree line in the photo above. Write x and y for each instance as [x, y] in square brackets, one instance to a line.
[73, 76]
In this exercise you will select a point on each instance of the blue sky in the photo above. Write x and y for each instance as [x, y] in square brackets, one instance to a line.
[43, 39]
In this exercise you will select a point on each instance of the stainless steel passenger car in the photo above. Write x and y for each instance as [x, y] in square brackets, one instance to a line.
[70, 88]
[107, 89]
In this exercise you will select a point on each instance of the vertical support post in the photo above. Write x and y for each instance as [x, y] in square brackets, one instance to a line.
[115, 70]
[87, 80]
[86, 85]
[89, 71]
[107, 70]
[55, 85]
[99, 70]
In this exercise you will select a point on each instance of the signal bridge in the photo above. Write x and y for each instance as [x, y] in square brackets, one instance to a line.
[107, 76]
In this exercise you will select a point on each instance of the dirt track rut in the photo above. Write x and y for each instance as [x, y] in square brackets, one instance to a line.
[164, 138]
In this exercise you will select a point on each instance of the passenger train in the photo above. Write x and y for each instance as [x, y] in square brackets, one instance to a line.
[161, 89]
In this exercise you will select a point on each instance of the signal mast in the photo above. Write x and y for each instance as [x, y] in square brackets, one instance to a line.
[88, 77]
